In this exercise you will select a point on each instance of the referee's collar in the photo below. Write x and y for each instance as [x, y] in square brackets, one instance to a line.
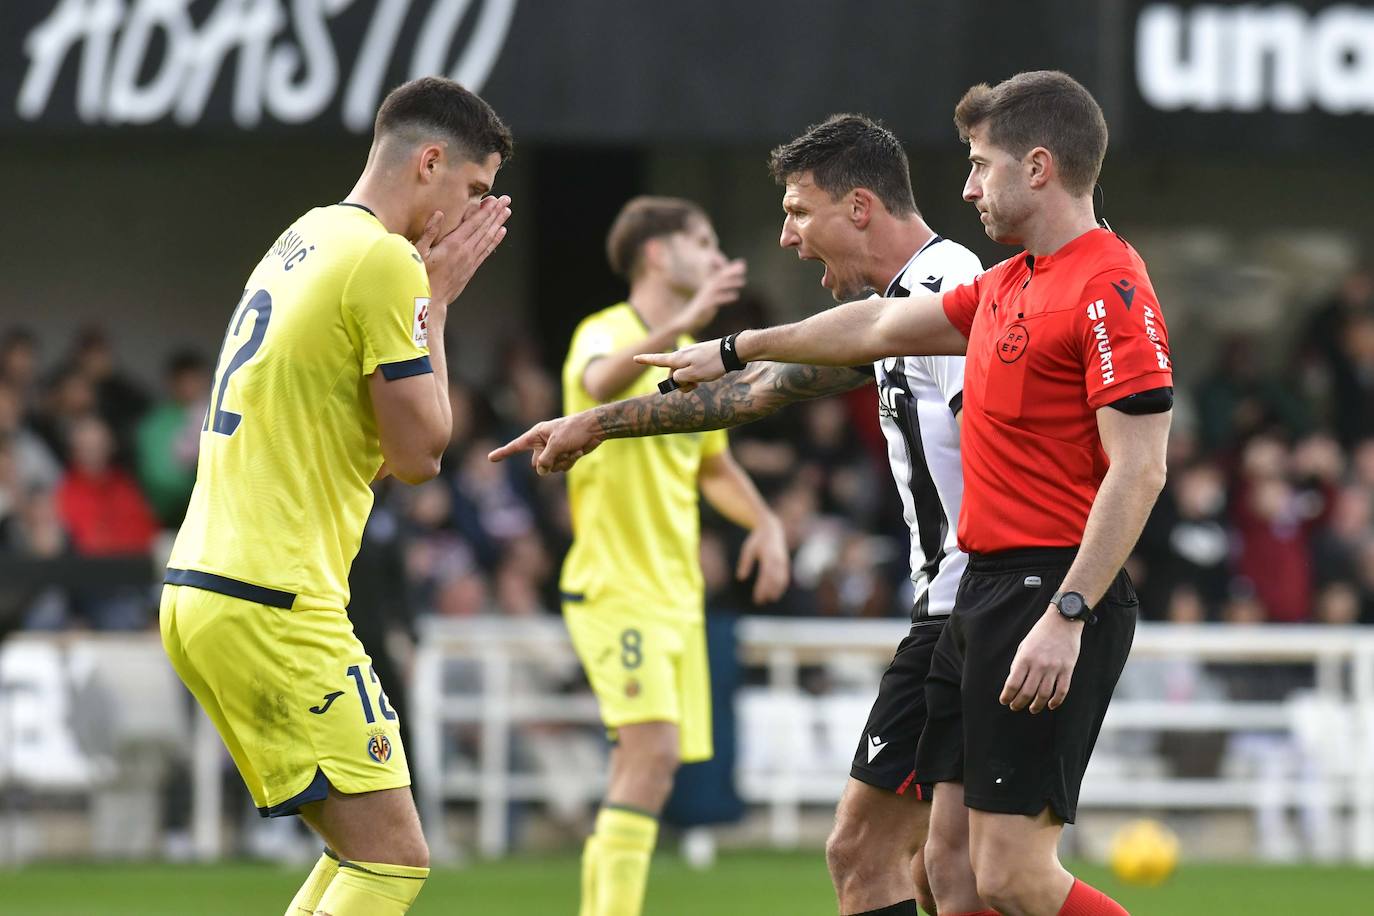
[1079, 243]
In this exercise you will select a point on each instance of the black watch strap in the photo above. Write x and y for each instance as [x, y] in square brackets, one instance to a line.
[1071, 606]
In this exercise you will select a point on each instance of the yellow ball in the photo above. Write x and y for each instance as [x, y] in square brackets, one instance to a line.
[1144, 852]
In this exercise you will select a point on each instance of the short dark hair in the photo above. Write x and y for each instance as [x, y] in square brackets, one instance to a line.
[1045, 108]
[848, 151]
[436, 105]
[641, 219]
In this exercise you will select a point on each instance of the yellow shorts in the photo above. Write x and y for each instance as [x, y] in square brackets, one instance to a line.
[645, 669]
[292, 694]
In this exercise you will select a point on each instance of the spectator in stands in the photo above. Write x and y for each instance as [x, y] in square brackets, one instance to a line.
[1364, 573]
[1327, 323]
[487, 508]
[1362, 462]
[99, 503]
[1352, 377]
[1336, 547]
[827, 446]
[34, 532]
[1338, 604]
[11, 485]
[1277, 521]
[530, 392]
[69, 397]
[854, 584]
[1239, 399]
[1185, 552]
[521, 576]
[472, 417]
[168, 437]
[442, 567]
[35, 465]
[120, 400]
[19, 366]
[1323, 340]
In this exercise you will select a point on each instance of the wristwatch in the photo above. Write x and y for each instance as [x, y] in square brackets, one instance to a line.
[1071, 606]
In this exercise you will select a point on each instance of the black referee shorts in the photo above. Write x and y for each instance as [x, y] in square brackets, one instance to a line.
[1015, 762]
[886, 757]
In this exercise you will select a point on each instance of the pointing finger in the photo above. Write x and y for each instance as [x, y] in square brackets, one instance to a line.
[526, 440]
[665, 360]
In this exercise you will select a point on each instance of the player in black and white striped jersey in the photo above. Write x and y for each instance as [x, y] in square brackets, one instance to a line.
[848, 203]
[919, 400]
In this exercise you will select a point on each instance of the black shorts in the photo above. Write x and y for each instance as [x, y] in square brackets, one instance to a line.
[886, 757]
[1015, 762]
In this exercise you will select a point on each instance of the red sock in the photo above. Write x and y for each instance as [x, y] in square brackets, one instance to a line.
[1084, 900]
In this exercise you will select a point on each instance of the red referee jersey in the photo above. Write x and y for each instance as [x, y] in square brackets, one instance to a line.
[1050, 340]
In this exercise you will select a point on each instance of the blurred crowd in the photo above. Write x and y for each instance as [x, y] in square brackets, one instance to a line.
[1266, 516]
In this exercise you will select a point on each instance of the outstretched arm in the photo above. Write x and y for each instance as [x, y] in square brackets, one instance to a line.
[846, 335]
[758, 391]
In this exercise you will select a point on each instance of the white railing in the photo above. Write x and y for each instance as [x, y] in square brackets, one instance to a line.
[789, 778]
[490, 679]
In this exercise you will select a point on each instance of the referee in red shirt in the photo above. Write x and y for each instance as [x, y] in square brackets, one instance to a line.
[1068, 393]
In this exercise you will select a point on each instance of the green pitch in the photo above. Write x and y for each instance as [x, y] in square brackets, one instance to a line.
[741, 884]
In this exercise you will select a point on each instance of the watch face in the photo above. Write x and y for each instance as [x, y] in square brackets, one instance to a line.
[1071, 605]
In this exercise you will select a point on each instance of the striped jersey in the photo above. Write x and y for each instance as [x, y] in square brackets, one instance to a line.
[918, 400]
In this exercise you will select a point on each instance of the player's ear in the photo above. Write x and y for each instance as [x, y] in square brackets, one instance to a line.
[652, 253]
[1040, 166]
[430, 159]
[861, 207]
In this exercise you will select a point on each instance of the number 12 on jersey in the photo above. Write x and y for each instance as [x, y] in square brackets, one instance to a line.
[260, 304]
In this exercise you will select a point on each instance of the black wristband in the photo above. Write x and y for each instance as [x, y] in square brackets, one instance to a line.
[729, 358]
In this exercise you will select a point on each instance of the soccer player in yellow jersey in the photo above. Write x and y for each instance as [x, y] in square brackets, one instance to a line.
[332, 374]
[632, 585]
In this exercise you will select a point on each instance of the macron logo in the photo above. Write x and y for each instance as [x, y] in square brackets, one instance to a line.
[1126, 290]
[875, 746]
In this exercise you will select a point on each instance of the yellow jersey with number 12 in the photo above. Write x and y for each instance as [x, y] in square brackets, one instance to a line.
[635, 512]
[289, 447]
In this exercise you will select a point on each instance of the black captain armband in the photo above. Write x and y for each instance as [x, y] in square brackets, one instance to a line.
[1156, 400]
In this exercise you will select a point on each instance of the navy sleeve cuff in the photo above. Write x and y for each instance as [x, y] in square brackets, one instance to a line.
[406, 368]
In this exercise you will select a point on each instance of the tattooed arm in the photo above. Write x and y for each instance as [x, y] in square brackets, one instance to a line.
[733, 400]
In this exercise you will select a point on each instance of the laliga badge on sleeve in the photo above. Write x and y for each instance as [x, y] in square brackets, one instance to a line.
[419, 330]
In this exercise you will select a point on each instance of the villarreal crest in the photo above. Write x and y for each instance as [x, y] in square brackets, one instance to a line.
[379, 747]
